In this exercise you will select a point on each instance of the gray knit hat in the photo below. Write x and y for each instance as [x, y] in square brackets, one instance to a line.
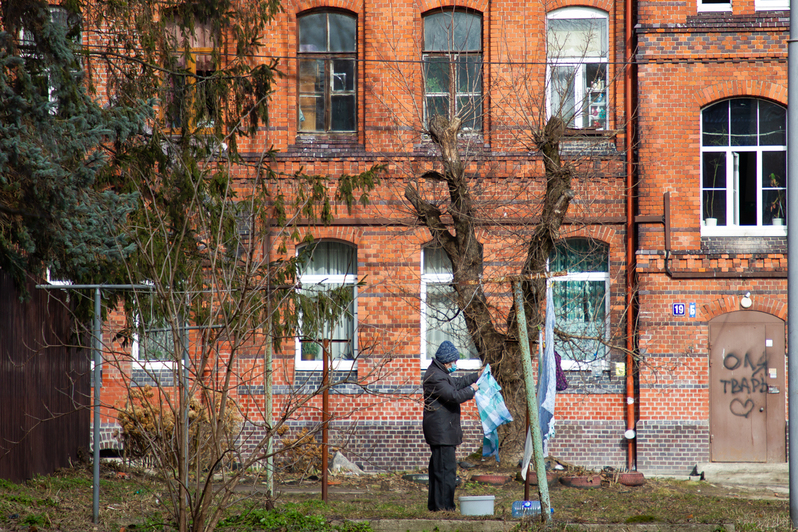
[447, 352]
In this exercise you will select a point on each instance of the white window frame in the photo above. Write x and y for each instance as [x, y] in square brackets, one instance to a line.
[579, 64]
[135, 349]
[598, 364]
[23, 38]
[335, 280]
[732, 187]
[436, 279]
[714, 7]
[772, 5]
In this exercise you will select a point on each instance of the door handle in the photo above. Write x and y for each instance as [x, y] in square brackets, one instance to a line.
[762, 409]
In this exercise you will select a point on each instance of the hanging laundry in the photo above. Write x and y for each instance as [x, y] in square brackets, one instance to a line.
[492, 411]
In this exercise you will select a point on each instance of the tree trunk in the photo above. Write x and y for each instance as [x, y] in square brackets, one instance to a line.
[495, 347]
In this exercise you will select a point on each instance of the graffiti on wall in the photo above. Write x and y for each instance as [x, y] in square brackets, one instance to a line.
[755, 382]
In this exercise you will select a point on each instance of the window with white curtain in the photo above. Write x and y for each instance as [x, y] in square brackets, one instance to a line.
[441, 317]
[581, 302]
[330, 265]
[577, 56]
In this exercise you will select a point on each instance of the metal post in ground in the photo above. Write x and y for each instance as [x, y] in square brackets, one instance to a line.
[532, 402]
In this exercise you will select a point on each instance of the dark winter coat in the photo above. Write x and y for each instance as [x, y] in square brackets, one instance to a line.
[442, 397]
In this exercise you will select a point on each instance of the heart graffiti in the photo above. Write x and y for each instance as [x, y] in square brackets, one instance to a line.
[738, 408]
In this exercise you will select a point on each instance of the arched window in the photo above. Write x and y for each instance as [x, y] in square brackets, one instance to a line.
[581, 301]
[453, 66]
[329, 266]
[577, 52]
[441, 317]
[743, 168]
[327, 73]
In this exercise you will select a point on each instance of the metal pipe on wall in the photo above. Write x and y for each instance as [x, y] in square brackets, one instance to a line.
[792, 244]
[628, 78]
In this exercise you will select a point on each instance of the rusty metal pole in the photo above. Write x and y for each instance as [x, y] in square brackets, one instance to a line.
[325, 416]
[532, 403]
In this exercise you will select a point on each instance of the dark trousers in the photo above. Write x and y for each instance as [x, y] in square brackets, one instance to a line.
[442, 478]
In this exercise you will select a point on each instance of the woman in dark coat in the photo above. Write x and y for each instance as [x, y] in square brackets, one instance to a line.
[442, 397]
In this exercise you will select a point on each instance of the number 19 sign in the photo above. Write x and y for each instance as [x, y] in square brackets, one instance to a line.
[679, 309]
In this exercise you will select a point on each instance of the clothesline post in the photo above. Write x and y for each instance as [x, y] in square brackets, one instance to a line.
[532, 403]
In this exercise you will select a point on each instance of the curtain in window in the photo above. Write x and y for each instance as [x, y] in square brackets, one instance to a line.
[340, 333]
[577, 37]
[331, 258]
[331, 266]
[443, 318]
[580, 304]
[580, 309]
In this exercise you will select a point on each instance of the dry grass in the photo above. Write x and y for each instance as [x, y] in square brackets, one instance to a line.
[63, 501]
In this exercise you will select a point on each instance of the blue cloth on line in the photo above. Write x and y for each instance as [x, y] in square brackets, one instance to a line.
[493, 412]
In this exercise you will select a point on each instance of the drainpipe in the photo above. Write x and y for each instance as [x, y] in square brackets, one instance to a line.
[630, 227]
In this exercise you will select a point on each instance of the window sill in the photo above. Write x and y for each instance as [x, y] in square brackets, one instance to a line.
[593, 366]
[474, 139]
[590, 132]
[733, 231]
[155, 365]
[714, 8]
[465, 364]
[318, 365]
[326, 144]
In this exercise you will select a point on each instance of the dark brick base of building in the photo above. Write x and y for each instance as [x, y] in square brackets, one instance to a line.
[591, 444]
[672, 447]
[377, 445]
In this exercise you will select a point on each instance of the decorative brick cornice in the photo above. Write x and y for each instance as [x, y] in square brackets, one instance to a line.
[429, 5]
[736, 88]
[298, 6]
[603, 5]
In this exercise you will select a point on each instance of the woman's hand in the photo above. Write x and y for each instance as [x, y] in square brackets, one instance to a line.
[475, 387]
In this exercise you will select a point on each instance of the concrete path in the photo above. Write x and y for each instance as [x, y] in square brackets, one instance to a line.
[770, 481]
[430, 525]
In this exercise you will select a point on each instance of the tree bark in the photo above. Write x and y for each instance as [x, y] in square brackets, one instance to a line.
[495, 347]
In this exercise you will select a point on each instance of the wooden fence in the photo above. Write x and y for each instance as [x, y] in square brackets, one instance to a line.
[45, 384]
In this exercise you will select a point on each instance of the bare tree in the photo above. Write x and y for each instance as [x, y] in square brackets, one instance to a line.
[541, 101]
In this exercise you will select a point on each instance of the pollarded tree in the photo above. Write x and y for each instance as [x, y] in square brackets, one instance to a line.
[548, 107]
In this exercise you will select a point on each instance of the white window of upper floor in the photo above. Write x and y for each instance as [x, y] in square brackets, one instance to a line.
[330, 265]
[60, 20]
[577, 52]
[744, 168]
[441, 317]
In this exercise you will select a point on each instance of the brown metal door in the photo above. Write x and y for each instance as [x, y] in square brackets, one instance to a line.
[746, 388]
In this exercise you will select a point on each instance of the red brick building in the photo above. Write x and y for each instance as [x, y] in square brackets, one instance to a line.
[712, 92]
[360, 81]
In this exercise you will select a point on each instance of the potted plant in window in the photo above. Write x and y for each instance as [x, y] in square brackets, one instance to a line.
[310, 350]
[710, 220]
[777, 205]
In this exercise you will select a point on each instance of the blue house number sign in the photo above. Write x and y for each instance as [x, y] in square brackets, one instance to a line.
[679, 309]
